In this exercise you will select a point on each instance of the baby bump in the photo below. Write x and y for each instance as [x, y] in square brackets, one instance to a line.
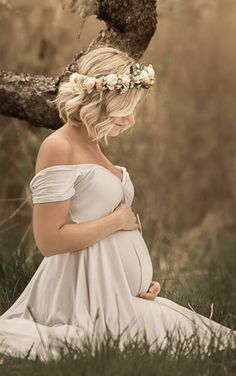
[135, 259]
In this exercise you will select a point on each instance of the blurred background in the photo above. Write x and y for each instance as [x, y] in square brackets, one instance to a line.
[181, 153]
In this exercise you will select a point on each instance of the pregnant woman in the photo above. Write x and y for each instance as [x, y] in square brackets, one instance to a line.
[96, 273]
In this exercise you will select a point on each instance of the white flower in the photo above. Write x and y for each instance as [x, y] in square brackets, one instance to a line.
[89, 84]
[144, 77]
[111, 80]
[76, 78]
[141, 75]
[149, 69]
[125, 79]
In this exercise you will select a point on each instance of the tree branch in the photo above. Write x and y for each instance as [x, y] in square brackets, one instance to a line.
[24, 96]
[130, 27]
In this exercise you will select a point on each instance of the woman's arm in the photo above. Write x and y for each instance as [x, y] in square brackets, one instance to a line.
[51, 232]
[53, 236]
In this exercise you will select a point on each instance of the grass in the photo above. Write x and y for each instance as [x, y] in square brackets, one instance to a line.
[134, 360]
[213, 288]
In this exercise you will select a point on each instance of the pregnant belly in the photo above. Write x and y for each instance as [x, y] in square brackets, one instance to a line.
[135, 259]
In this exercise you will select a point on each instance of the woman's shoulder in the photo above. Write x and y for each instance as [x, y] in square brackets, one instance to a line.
[54, 150]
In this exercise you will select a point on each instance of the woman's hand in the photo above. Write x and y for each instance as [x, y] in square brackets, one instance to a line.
[152, 292]
[126, 217]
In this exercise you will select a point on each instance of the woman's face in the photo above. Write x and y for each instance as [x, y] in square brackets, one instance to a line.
[120, 122]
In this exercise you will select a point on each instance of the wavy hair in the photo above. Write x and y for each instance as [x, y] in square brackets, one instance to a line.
[95, 110]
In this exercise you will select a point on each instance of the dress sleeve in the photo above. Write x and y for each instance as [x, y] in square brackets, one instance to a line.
[54, 183]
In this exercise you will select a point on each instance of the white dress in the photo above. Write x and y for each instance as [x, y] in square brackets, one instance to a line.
[82, 293]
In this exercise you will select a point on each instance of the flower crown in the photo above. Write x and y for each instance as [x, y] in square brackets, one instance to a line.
[140, 76]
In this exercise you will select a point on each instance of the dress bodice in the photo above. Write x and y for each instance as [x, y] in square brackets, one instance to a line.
[94, 190]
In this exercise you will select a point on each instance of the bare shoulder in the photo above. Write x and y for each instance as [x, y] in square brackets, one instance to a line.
[54, 150]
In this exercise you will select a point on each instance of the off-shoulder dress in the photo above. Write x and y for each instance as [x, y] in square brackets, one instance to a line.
[80, 293]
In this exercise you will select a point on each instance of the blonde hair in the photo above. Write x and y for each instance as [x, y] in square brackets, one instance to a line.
[95, 110]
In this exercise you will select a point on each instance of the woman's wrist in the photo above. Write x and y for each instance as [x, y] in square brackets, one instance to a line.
[115, 218]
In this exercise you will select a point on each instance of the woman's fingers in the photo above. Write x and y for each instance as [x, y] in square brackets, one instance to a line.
[147, 295]
[152, 292]
[155, 287]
